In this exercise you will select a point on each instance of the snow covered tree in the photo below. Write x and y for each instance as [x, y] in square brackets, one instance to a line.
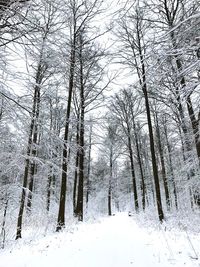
[40, 51]
[81, 14]
[132, 35]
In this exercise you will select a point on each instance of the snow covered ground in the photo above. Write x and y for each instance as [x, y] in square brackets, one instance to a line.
[117, 241]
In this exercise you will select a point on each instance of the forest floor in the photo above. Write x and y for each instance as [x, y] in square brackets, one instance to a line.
[117, 241]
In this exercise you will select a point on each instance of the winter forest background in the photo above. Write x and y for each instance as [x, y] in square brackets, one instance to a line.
[99, 112]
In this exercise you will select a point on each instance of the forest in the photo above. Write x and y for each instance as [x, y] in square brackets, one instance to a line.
[99, 112]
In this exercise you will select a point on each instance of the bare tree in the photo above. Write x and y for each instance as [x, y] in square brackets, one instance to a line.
[43, 72]
[80, 13]
[132, 36]
[122, 108]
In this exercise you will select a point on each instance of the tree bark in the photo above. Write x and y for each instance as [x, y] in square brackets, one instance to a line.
[34, 144]
[79, 208]
[153, 156]
[76, 168]
[171, 165]
[3, 230]
[26, 169]
[61, 212]
[133, 173]
[162, 161]
[151, 138]
[49, 188]
[89, 165]
[110, 184]
[143, 186]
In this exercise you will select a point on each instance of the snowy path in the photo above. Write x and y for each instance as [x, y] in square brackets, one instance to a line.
[115, 242]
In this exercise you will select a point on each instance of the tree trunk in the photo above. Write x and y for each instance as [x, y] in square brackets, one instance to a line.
[23, 196]
[151, 138]
[153, 156]
[79, 208]
[76, 167]
[133, 173]
[3, 231]
[50, 178]
[38, 80]
[61, 212]
[143, 186]
[171, 166]
[89, 165]
[34, 141]
[110, 184]
[162, 160]
[26, 170]
[51, 175]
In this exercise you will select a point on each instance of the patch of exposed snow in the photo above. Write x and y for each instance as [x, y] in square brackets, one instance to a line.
[117, 241]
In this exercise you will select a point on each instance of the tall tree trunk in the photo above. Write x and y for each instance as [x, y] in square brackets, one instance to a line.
[153, 156]
[75, 183]
[143, 186]
[143, 83]
[151, 139]
[34, 149]
[38, 80]
[89, 165]
[147, 171]
[50, 175]
[162, 161]
[110, 184]
[79, 208]
[61, 212]
[26, 169]
[3, 230]
[76, 166]
[133, 172]
[51, 172]
[171, 165]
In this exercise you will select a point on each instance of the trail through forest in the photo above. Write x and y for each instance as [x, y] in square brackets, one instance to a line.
[117, 241]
